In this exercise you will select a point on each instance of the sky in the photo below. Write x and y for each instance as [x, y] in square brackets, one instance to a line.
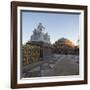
[57, 25]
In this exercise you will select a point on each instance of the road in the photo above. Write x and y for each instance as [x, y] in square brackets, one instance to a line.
[57, 65]
[65, 65]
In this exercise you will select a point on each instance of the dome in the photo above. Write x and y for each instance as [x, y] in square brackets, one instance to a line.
[65, 42]
[63, 46]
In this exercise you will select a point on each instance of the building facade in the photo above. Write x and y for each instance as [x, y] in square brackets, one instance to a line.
[38, 47]
[65, 46]
[30, 53]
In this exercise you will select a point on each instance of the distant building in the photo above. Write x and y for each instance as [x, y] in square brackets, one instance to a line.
[65, 46]
[39, 35]
[76, 49]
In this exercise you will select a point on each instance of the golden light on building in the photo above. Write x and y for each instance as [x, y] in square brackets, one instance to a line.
[31, 53]
[64, 46]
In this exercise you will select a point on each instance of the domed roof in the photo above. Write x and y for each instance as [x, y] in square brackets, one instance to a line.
[63, 39]
[65, 42]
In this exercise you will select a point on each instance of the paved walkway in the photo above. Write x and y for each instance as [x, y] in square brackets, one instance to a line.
[57, 65]
[65, 65]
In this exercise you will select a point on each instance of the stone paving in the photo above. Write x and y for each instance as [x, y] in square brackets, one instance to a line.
[56, 65]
